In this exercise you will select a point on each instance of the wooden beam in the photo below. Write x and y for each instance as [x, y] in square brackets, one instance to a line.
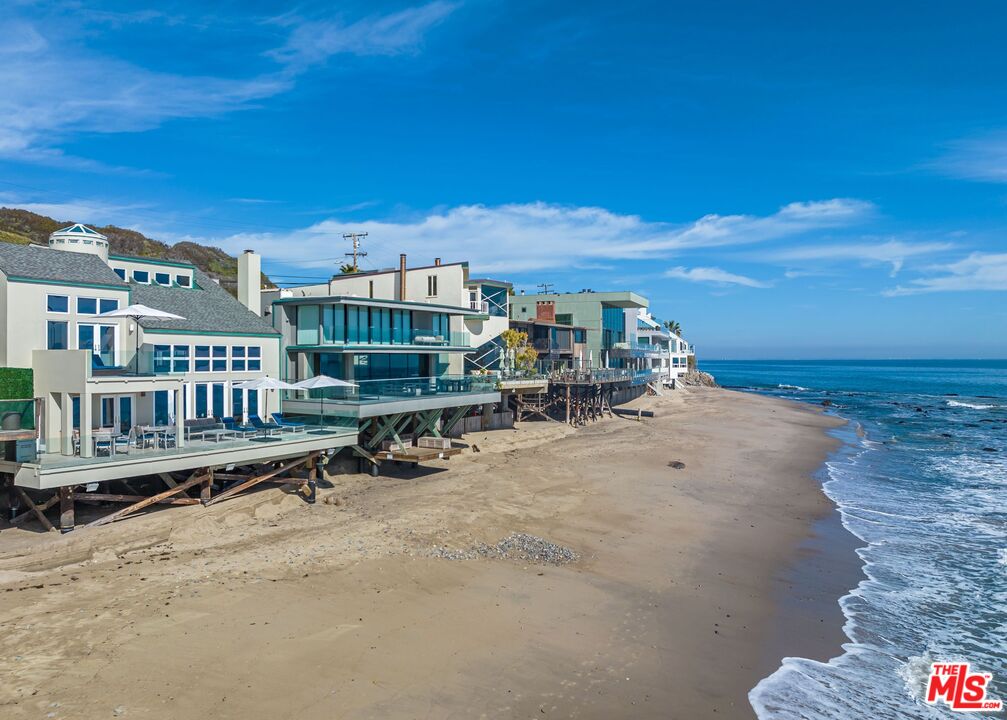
[112, 497]
[35, 509]
[364, 454]
[168, 479]
[197, 477]
[29, 514]
[459, 413]
[234, 490]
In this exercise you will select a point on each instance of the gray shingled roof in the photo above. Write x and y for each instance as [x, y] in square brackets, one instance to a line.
[207, 307]
[39, 263]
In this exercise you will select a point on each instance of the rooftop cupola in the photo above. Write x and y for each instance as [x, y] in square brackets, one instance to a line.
[80, 239]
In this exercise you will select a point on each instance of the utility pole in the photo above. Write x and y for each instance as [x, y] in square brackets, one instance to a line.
[545, 287]
[357, 252]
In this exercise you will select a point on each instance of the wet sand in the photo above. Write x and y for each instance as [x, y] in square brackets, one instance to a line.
[691, 583]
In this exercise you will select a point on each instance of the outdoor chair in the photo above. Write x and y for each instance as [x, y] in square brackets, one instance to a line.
[264, 428]
[231, 424]
[292, 425]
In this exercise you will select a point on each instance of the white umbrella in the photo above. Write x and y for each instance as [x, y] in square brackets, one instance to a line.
[265, 383]
[322, 381]
[136, 312]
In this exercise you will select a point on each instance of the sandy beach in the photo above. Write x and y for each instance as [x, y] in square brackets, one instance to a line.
[705, 549]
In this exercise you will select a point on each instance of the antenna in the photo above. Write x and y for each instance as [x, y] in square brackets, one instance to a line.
[357, 252]
[545, 287]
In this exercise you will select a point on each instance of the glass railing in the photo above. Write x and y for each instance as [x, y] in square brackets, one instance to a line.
[375, 391]
[416, 336]
[17, 415]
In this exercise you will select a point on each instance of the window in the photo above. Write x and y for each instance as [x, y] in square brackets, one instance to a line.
[254, 361]
[401, 327]
[57, 335]
[183, 281]
[201, 405]
[580, 335]
[357, 324]
[162, 363]
[238, 358]
[107, 305]
[121, 272]
[370, 289]
[162, 278]
[333, 324]
[564, 318]
[57, 303]
[87, 306]
[431, 285]
[180, 358]
[202, 355]
[307, 324]
[141, 276]
[219, 358]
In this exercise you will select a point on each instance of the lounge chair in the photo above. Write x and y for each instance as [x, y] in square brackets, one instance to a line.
[292, 425]
[264, 428]
[231, 424]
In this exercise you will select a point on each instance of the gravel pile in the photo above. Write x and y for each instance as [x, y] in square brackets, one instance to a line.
[516, 546]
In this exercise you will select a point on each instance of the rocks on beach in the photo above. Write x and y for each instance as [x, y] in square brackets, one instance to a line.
[516, 546]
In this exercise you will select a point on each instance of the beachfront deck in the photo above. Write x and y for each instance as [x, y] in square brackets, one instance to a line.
[52, 470]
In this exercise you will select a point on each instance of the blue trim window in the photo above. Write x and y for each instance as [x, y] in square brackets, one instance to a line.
[183, 281]
[202, 362]
[162, 363]
[87, 306]
[58, 335]
[162, 278]
[180, 358]
[57, 303]
[220, 359]
[254, 358]
[107, 305]
[238, 358]
[121, 272]
[201, 405]
[141, 276]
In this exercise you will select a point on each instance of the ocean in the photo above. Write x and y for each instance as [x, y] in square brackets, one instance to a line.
[923, 484]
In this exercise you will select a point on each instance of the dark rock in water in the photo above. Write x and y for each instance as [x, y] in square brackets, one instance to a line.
[987, 420]
[918, 409]
[945, 434]
[826, 403]
[990, 450]
[950, 394]
[677, 464]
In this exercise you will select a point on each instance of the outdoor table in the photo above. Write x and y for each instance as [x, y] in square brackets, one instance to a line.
[157, 429]
[109, 434]
[218, 433]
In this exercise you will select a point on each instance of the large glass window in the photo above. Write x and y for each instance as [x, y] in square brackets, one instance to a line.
[161, 407]
[162, 360]
[613, 326]
[87, 306]
[357, 324]
[57, 335]
[202, 407]
[217, 395]
[220, 358]
[254, 358]
[307, 324]
[333, 324]
[401, 327]
[107, 305]
[238, 403]
[57, 303]
[381, 330]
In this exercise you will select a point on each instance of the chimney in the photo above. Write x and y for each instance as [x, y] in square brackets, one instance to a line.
[437, 262]
[402, 276]
[545, 311]
[250, 281]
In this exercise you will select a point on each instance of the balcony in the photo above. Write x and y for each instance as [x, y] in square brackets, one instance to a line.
[382, 397]
[636, 350]
[416, 339]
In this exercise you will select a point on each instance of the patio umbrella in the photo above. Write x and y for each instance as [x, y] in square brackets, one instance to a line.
[136, 312]
[322, 381]
[265, 383]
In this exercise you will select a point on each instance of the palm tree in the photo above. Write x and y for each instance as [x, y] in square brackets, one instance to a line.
[348, 268]
[673, 327]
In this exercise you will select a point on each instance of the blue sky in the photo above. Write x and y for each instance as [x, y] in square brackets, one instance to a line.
[784, 179]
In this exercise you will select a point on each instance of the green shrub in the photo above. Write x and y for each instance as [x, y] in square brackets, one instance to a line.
[16, 384]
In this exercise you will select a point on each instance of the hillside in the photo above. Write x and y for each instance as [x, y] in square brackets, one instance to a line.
[23, 227]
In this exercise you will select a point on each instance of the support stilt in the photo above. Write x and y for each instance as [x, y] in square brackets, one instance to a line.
[66, 514]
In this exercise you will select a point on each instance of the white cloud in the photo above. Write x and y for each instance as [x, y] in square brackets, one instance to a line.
[983, 159]
[978, 271]
[890, 252]
[54, 88]
[714, 275]
[538, 236]
[313, 42]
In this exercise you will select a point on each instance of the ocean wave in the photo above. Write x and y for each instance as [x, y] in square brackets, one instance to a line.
[784, 386]
[974, 406]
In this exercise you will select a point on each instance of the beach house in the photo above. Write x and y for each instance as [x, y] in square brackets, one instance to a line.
[118, 396]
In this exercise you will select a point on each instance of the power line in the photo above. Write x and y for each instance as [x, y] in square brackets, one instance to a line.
[545, 287]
